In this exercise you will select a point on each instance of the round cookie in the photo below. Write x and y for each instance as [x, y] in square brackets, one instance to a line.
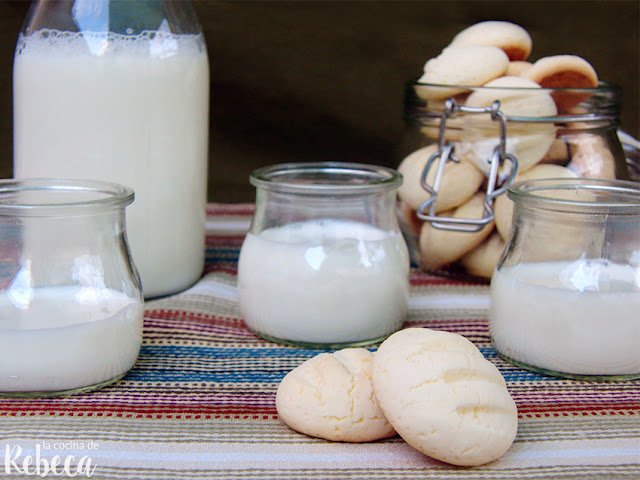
[443, 397]
[482, 260]
[564, 71]
[459, 180]
[439, 247]
[331, 396]
[473, 65]
[514, 40]
[520, 97]
[503, 206]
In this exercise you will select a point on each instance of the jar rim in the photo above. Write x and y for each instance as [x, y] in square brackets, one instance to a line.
[579, 195]
[322, 178]
[601, 87]
[601, 103]
[57, 197]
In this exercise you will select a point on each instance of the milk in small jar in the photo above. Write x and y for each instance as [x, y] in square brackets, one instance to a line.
[324, 263]
[119, 91]
[565, 298]
[71, 308]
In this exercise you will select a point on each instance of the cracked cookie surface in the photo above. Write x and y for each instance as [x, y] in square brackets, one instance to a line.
[331, 396]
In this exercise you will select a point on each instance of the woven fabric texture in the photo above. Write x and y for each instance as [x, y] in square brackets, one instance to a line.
[199, 402]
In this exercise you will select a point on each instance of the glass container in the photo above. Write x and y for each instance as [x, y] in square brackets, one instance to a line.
[566, 294]
[551, 133]
[324, 263]
[118, 91]
[70, 301]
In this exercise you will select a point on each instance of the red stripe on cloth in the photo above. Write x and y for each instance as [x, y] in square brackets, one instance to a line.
[222, 268]
[179, 315]
[239, 209]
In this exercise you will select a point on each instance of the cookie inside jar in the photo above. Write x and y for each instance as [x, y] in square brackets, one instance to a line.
[561, 121]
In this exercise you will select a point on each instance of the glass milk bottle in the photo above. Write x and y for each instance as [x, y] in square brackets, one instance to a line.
[119, 91]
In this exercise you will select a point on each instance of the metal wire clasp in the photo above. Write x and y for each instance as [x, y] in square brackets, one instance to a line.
[446, 152]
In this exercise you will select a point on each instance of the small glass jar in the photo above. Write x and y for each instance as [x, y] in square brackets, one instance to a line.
[566, 294]
[70, 301]
[324, 263]
[553, 133]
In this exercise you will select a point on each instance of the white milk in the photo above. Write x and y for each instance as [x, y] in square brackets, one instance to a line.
[324, 281]
[580, 318]
[135, 113]
[66, 338]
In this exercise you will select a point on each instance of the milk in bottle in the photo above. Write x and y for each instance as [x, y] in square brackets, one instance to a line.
[129, 107]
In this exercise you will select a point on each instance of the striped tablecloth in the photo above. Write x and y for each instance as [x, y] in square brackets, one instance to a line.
[199, 402]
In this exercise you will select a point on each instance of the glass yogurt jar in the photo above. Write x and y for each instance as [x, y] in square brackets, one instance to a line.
[71, 308]
[324, 263]
[548, 133]
[566, 294]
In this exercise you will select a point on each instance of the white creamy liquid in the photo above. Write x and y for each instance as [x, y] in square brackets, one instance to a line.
[579, 318]
[64, 338]
[324, 281]
[134, 112]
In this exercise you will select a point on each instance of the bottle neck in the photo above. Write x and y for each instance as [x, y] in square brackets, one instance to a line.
[109, 16]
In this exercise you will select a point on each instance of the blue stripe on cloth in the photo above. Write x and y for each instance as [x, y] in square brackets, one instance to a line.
[248, 359]
[250, 367]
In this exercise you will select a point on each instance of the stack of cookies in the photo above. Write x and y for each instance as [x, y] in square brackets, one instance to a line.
[486, 62]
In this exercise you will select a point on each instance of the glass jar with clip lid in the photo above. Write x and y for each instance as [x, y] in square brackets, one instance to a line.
[460, 153]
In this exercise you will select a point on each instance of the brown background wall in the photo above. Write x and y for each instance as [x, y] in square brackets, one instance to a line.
[303, 81]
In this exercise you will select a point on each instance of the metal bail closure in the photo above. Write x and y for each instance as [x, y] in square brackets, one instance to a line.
[446, 152]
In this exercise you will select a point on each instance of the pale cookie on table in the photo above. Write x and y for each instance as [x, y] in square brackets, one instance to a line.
[527, 141]
[331, 396]
[460, 181]
[443, 397]
[564, 71]
[473, 65]
[482, 260]
[503, 206]
[514, 40]
[439, 247]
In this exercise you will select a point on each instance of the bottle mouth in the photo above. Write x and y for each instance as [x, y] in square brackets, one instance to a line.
[60, 197]
[324, 178]
[579, 195]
